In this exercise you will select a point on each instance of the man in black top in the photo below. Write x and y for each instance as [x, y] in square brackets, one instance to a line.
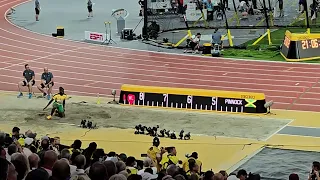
[28, 81]
[46, 82]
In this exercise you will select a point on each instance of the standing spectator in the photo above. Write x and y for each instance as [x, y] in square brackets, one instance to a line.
[88, 153]
[7, 170]
[281, 8]
[29, 81]
[194, 156]
[37, 8]
[141, 3]
[89, 6]
[46, 82]
[154, 152]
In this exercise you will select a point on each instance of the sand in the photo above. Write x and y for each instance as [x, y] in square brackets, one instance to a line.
[28, 114]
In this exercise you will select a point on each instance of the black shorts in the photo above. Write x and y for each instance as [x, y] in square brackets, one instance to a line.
[89, 9]
[25, 83]
[193, 45]
[37, 11]
[46, 85]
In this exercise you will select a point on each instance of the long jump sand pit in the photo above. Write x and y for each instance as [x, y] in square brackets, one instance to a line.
[28, 114]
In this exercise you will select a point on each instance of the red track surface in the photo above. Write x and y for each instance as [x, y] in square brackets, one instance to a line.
[85, 69]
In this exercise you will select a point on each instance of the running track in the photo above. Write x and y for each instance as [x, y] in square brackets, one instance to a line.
[84, 69]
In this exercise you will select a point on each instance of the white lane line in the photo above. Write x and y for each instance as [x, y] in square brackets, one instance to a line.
[276, 132]
[187, 69]
[147, 75]
[201, 67]
[233, 59]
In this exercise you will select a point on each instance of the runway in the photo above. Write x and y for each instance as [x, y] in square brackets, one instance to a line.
[85, 69]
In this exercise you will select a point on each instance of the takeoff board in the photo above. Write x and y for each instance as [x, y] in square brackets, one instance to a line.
[195, 99]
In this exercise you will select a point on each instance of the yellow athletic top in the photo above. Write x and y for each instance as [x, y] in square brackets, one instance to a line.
[59, 98]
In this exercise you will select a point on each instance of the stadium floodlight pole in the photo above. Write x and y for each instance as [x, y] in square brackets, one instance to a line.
[227, 25]
[145, 22]
[305, 4]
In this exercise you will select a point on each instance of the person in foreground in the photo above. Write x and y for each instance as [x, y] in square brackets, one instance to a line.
[58, 105]
[28, 81]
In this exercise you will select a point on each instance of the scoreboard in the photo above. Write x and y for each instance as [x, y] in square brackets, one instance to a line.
[196, 99]
[300, 47]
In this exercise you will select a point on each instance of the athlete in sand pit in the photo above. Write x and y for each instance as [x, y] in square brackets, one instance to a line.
[58, 105]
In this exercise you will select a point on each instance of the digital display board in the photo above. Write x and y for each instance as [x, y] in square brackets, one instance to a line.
[300, 47]
[168, 98]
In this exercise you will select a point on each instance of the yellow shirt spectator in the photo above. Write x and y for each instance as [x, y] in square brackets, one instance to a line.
[168, 160]
[152, 154]
[185, 164]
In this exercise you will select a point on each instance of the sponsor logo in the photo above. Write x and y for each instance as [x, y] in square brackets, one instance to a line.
[233, 102]
[95, 36]
[131, 99]
[247, 97]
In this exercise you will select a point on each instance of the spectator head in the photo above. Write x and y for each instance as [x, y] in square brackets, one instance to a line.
[61, 170]
[15, 131]
[131, 161]
[198, 35]
[293, 177]
[172, 170]
[123, 157]
[125, 173]
[21, 169]
[134, 177]
[218, 176]
[224, 174]
[79, 161]
[118, 177]
[12, 173]
[49, 159]
[208, 175]
[193, 166]
[12, 149]
[73, 156]
[194, 155]
[111, 168]
[98, 171]
[121, 166]
[22, 158]
[4, 164]
[2, 138]
[34, 161]
[316, 166]
[232, 177]
[45, 144]
[38, 174]
[77, 144]
[171, 150]
[65, 153]
[253, 176]
[194, 177]
[156, 141]
[179, 177]
[147, 162]
[56, 141]
[242, 174]
[2, 152]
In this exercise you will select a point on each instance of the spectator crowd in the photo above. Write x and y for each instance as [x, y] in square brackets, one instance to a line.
[24, 157]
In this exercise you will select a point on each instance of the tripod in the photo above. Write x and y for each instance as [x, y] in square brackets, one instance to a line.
[110, 40]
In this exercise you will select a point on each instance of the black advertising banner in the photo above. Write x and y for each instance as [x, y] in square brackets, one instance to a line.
[210, 103]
